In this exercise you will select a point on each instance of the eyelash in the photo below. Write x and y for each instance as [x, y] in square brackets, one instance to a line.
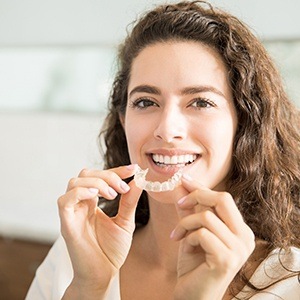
[208, 103]
[143, 103]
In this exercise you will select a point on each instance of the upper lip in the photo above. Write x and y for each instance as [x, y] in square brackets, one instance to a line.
[172, 152]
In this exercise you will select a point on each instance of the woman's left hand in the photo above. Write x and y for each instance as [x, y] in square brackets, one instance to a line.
[215, 242]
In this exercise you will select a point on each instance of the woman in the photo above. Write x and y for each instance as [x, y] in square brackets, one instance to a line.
[196, 93]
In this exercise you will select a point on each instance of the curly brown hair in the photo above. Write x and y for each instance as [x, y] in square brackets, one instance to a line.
[265, 176]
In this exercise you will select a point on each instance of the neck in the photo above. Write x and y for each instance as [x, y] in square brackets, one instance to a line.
[163, 252]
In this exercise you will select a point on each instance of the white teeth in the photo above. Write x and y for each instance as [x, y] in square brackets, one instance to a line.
[169, 185]
[167, 160]
[174, 160]
[181, 159]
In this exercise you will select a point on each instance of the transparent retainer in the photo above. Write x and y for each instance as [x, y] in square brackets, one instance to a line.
[155, 186]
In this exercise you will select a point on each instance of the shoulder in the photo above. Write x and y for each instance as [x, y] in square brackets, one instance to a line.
[54, 275]
[280, 260]
[278, 276]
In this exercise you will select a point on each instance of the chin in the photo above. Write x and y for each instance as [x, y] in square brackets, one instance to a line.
[169, 197]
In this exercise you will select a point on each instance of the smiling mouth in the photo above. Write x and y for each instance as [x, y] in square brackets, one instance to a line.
[174, 160]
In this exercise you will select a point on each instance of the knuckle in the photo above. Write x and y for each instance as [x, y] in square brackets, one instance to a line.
[249, 239]
[242, 255]
[67, 198]
[99, 183]
[111, 175]
[197, 194]
[224, 260]
[206, 216]
[251, 244]
[95, 181]
[230, 261]
[251, 233]
[72, 182]
[84, 173]
[60, 201]
[76, 191]
[202, 233]
[225, 197]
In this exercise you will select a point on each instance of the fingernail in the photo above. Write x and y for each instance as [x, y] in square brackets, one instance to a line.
[124, 186]
[180, 201]
[172, 234]
[131, 167]
[112, 192]
[93, 191]
[187, 177]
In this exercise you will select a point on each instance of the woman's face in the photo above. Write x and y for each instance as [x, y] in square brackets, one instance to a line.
[180, 113]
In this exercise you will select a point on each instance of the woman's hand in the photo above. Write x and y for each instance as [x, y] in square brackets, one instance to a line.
[98, 245]
[214, 242]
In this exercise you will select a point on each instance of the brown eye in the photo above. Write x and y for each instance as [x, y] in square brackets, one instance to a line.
[202, 103]
[143, 103]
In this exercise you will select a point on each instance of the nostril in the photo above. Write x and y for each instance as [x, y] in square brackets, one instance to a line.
[168, 138]
[169, 130]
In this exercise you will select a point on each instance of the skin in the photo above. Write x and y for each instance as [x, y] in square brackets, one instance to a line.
[175, 123]
[180, 95]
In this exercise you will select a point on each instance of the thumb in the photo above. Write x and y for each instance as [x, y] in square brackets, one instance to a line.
[128, 204]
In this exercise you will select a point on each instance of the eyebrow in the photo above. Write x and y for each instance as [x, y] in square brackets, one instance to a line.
[201, 89]
[145, 89]
[186, 91]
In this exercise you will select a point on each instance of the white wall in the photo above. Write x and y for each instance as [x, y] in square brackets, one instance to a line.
[39, 152]
[67, 22]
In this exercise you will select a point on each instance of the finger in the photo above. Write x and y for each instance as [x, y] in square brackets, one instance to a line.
[182, 213]
[249, 238]
[76, 195]
[205, 239]
[122, 172]
[221, 202]
[128, 204]
[109, 182]
[107, 189]
[180, 193]
[208, 220]
[218, 256]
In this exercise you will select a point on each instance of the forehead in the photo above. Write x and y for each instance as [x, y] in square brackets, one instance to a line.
[179, 64]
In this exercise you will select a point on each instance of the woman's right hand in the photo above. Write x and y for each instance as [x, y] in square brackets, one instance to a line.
[98, 245]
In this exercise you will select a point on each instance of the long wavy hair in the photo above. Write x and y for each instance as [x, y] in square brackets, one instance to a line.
[265, 176]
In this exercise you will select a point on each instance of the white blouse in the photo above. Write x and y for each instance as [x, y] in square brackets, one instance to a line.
[55, 274]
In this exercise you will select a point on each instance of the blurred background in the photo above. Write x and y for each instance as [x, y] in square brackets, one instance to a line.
[57, 61]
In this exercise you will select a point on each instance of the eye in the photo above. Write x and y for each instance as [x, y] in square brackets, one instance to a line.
[202, 103]
[143, 103]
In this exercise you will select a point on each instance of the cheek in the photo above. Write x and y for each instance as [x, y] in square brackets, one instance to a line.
[223, 140]
[136, 136]
[217, 160]
[223, 145]
[218, 140]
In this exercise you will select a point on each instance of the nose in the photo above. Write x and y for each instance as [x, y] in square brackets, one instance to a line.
[171, 125]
